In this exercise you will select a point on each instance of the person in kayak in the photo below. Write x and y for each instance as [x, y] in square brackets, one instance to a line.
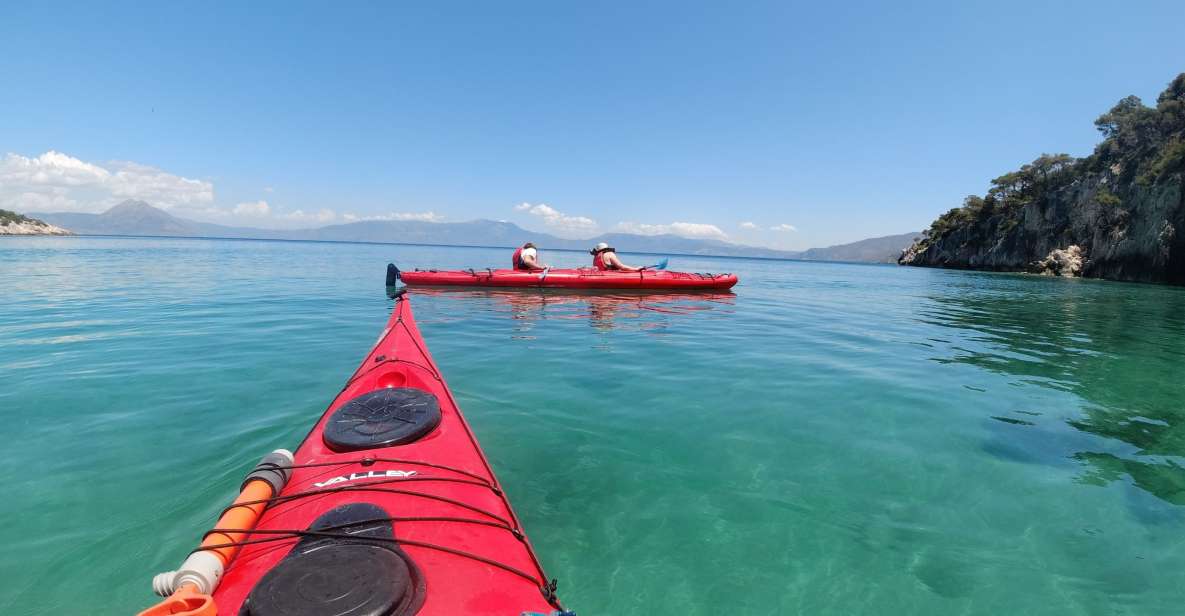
[527, 258]
[605, 259]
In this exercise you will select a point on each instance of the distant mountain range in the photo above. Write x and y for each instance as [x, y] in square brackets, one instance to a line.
[885, 249]
[140, 218]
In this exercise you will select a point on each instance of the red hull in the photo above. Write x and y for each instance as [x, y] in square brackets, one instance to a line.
[465, 558]
[572, 279]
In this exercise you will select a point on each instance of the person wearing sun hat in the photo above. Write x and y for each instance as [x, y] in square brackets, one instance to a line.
[605, 258]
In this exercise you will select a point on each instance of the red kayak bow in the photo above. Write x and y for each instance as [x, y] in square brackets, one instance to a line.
[387, 508]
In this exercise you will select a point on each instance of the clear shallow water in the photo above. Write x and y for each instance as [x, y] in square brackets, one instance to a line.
[832, 439]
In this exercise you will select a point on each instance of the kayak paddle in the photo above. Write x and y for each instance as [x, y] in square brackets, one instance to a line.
[661, 265]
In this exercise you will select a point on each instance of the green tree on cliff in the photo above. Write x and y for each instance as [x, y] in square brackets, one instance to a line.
[12, 217]
[1141, 145]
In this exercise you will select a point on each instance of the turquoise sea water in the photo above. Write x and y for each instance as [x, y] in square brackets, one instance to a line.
[830, 439]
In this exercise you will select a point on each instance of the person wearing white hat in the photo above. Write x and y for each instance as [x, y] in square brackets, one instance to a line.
[605, 258]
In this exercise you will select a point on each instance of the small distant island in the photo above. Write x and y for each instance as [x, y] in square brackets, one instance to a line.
[12, 223]
[1118, 213]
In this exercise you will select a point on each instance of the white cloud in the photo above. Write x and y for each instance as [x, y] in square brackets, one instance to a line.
[29, 201]
[253, 209]
[748, 225]
[555, 219]
[684, 229]
[136, 181]
[321, 216]
[783, 227]
[55, 180]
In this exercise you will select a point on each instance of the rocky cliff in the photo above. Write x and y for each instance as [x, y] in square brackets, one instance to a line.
[1118, 213]
[12, 223]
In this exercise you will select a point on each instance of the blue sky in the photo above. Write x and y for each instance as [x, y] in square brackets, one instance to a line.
[816, 124]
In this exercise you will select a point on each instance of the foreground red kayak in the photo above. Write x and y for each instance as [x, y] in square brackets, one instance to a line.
[587, 278]
[387, 508]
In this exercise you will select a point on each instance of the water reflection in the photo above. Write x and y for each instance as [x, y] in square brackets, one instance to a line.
[604, 311]
[1119, 348]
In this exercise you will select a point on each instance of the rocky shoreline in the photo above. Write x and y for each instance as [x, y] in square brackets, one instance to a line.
[12, 223]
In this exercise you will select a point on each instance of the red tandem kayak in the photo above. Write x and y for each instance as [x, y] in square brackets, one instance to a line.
[586, 278]
[387, 508]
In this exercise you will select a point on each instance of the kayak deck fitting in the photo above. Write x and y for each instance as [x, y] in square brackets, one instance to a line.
[584, 278]
[387, 508]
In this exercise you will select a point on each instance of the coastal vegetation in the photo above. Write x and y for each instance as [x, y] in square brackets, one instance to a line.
[12, 223]
[7, 217]
[1122, 208]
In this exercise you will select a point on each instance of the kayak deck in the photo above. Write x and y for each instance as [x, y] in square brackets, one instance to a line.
[393, 473]
[584, 278]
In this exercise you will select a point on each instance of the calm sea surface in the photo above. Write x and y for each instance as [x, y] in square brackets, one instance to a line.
[830, 439]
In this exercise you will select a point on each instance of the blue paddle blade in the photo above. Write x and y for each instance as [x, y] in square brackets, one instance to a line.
[660, 265]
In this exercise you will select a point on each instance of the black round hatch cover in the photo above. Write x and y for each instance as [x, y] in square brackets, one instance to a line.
[382, 418]
[358, 573]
